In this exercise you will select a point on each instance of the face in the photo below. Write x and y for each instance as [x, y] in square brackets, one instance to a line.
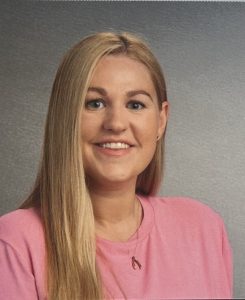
[121, 121]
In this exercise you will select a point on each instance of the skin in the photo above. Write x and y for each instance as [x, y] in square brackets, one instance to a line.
[111, 114]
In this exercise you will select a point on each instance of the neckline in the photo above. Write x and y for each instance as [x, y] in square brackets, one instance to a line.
[143, 230]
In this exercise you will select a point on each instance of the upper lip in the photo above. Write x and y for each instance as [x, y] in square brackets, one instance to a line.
[108, 140]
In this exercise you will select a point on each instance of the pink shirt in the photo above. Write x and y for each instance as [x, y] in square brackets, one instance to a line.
[181, 245]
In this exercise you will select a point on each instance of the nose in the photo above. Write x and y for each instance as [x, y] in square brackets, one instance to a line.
[116, 119]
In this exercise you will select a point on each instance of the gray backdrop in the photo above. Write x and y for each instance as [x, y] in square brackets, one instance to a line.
[201, 47]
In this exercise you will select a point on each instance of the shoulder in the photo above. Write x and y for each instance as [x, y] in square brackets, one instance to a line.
[22, 253]
[185, 211]
[181, 204]
[22, 220]
[22, 229]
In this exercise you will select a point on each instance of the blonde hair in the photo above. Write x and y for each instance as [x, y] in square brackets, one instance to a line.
[60, 189]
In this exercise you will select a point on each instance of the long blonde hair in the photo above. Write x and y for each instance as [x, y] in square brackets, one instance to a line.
[60, 189]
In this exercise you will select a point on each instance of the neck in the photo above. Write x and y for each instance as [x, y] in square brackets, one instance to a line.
[117, 212]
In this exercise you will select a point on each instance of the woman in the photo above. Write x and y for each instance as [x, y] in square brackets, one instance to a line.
[92, 227]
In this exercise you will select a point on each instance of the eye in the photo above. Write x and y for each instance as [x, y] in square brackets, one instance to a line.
[135, 105]
[95, 104]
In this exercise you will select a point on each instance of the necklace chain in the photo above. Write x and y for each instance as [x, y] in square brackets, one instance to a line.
[135, 262]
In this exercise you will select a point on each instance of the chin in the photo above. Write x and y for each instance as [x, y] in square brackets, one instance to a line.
[113, 179]
[118, 178]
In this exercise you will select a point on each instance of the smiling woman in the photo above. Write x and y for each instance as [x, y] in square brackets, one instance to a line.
[120, 123]
[93, 227]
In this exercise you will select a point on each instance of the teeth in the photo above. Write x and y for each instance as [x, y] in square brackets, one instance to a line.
[115, 145]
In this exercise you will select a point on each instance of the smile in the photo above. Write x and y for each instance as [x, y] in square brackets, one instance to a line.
[118, 145]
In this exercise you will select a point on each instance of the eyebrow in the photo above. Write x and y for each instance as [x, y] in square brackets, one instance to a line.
[103, 92]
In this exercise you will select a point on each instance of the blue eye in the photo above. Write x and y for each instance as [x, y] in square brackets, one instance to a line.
[95, 104]
[135, 105]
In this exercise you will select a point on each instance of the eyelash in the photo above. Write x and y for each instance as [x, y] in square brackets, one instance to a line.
[133, 102]
[89, 103]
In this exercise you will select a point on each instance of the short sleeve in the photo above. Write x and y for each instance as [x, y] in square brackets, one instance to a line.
[16, 280]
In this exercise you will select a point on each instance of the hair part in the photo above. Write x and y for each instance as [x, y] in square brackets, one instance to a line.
[60, 188]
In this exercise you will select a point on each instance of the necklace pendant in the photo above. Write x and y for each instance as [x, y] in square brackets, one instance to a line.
[135, 263]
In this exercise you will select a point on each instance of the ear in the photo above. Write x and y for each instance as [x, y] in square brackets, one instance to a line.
[163, 118]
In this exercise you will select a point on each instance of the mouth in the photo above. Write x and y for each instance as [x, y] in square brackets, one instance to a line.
[114, 145]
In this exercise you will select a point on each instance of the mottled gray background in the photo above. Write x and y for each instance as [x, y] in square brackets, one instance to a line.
[201, 47]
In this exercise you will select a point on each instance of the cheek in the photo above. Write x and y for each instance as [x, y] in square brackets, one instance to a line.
[150, 147]
[149, 130]
[86, 137]
[149, 137]
[89, 127]
[149, 140]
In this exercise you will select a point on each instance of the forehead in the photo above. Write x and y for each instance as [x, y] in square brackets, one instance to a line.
[122, 71]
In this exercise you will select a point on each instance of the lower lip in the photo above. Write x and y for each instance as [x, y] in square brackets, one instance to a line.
[114, 152]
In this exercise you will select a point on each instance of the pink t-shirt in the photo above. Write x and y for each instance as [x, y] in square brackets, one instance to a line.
[181, 245]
